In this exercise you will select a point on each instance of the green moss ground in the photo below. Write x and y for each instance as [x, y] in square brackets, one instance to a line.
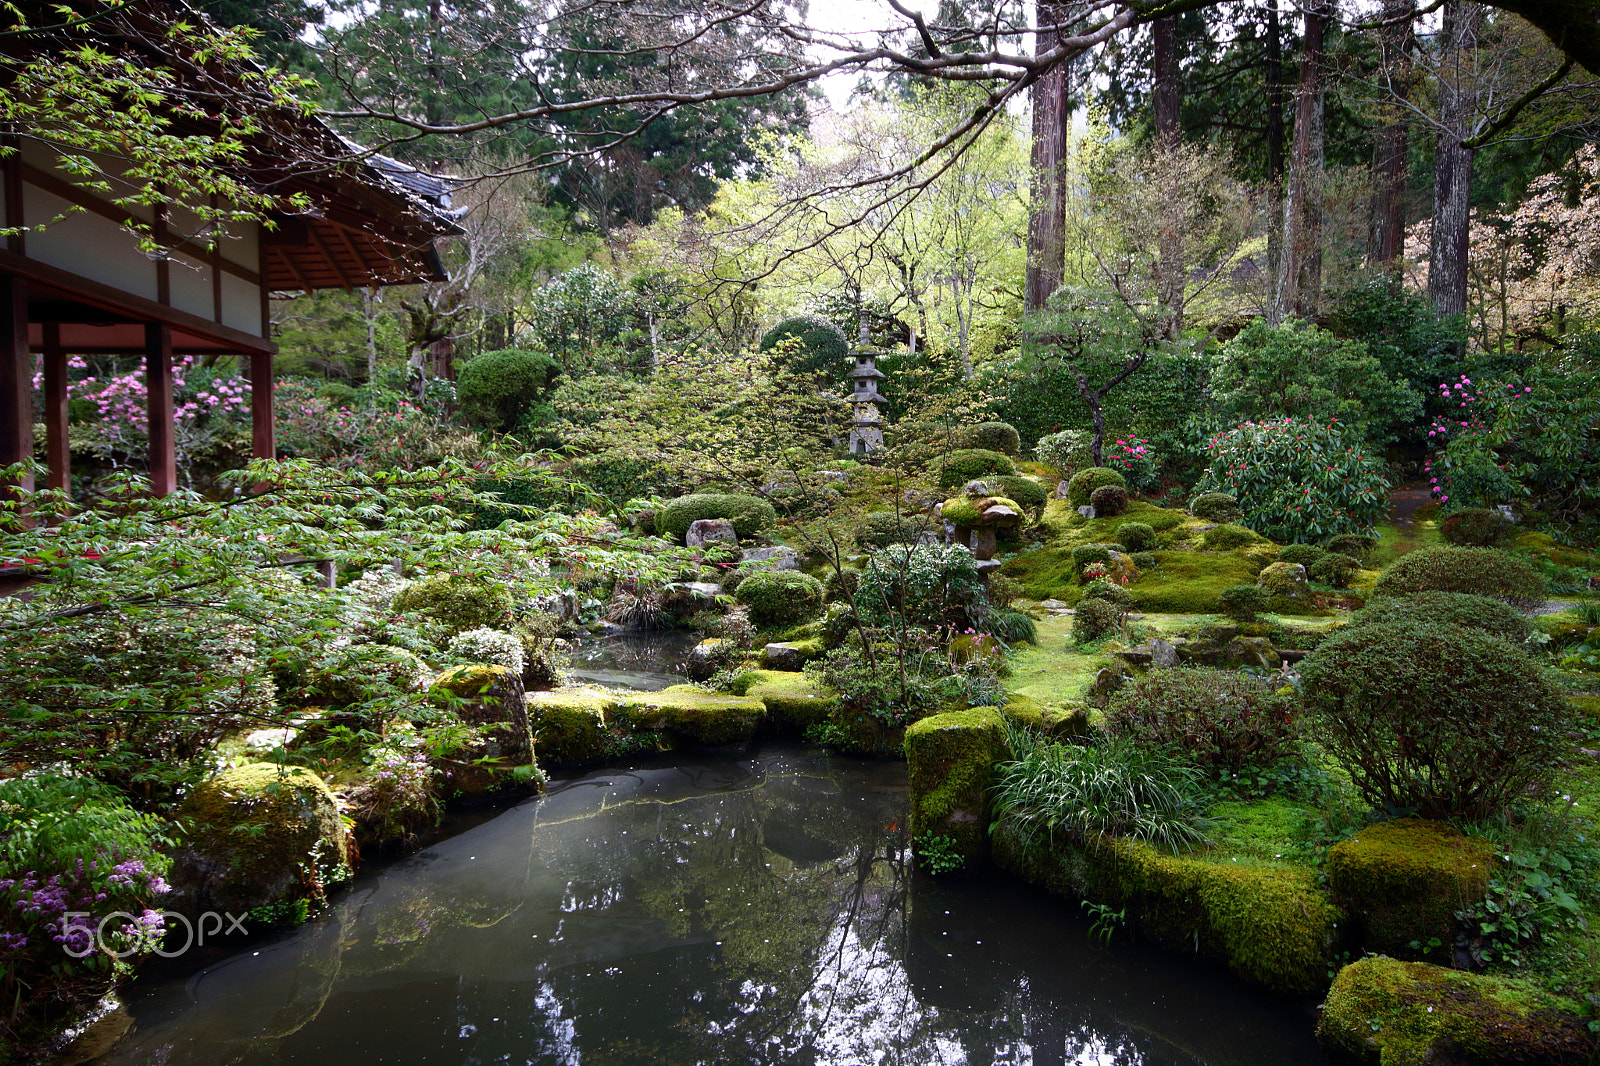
[1191, 582]
[1395, 541]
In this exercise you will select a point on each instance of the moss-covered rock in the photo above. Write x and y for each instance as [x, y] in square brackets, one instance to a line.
[491, 700]
[1386, 1012]
[1285, 581]
[1269, 925]
[951, 758]
[1404, 881]
[572, 725]
[793, 701]
[1066, 721]
[692, 714]
[258, 835]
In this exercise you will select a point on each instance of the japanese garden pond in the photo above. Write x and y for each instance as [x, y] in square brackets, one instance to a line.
[750, 908]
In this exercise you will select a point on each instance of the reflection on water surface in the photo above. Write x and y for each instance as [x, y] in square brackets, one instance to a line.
[731, 910]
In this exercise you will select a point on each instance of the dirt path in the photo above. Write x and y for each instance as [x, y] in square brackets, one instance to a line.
[1405, 501]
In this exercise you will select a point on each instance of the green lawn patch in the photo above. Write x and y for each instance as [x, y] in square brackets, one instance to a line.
[1191, 582]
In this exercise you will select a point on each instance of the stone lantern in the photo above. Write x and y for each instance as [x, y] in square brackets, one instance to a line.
[866, 428]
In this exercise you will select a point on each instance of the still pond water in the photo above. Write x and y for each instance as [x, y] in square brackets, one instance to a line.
[742, 910]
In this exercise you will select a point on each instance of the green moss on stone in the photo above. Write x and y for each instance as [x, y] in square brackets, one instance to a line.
[1404, 881]
[1271, 926]
[793, 701]
[1387, 1012]
[572, 725]
[951, 758]
[695, 715]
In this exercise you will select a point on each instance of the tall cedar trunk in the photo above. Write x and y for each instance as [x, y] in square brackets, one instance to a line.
[1274, 79]
[1170, 275]
[1047, 221]
[1300, 272]
[1386, 238]
[1452, 164]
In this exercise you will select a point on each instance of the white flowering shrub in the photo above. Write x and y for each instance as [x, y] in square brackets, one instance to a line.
[375, 589]
[493, 646]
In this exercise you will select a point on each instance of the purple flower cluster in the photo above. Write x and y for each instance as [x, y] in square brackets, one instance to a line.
[51, 909]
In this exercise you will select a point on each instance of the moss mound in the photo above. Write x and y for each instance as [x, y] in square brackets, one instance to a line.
[951, 758]
[794, 702]
[1269, 925]
[750, 515]
[1191, 582]
[693, 714]
[1404, 881]
[1479, 571]
[968, 464]
[1084, 482]
[1391, 1013]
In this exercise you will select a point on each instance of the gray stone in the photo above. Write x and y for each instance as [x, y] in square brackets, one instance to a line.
[1505, 511]
[929, 540]
[783, 655]
[1286, 579]
[1000, 515]
[1140, 656]
[983, 544]
[1105, 683]
[710, 531]
[833, 476]
[1061, 490]
[1163, 654]
[1087, 510]
[702, 590]
[978, 488]
[1054, 605]
[779, 558]
[986, 567]
[702, 662]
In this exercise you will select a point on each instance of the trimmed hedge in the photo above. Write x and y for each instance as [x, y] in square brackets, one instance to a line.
[999, 437]
[822, 349]
[1136, 537]
[1478, 571]
[1109, 501]
[1477, 527]
[968, 464]
[1450, 608]
[750, 515]
[1215, 507]
[781, 597]
[1025, 491]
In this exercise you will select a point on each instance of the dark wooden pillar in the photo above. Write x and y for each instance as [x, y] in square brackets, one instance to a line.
[16, 377]
[263, 436]
[158, 383]
[59, 458]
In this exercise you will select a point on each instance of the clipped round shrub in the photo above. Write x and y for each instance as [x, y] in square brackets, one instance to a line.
[1095, 620]
[1446, 720]
[969, 464]
[1304, 554]
[1214, 507]
[1101, 589]
[1477, 527]
[1479, 571]
[1025, 491]
[1356, 545]
[1109, 501]
[493, 646]
[1449, 608]
[1226, 538]
[750, 515]
[820, 347]
[1071, 449]
[1084, 554]
[456, 602]
[842, 583]
[886, 528]
[1145, 560]
[780, 597]
[1243, 602]
[1334, 569]
[1298, 480]
[498, 389]
[1084, 482]
[999, 437]
[1223, 720]
[1136, 536]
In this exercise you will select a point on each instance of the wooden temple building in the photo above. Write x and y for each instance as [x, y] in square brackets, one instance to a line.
[75, 280]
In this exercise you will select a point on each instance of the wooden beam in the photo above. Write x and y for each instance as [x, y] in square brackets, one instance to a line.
[158, 385]
[126, 303]
[263, 428]
[16, 242]
[322, 246]
[288, 261]
[57, 451]
[16, 380]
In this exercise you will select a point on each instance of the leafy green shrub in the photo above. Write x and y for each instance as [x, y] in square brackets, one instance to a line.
[1226, 538]
[819, 348]
[1101, 589]
[1477, 527]
[1109, 501]
[886, 528]
[1136, 461]
[877, 692]
[1084, 482]
[1479, 571]
[1069, 450]
[750, 515]
[1145, 560]
[780, 597]
[1012, 627]
[1449, 608]
[1333, 569]
[1085, 554]
[930, 585]
[1356, 545]
[1025, 491]
[1298, 480]
[1225, 721]
[457, 602]
[1446, 720]
[1304, 554]
[969, 464]
[499, 389]
[842, 583]
[1114, 787]
[1214, 507]
[990, 436]
[1243, 602]
[1135, 536]
[1095, 620]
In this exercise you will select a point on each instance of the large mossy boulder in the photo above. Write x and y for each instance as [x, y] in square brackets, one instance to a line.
[951, 758]
[691, 714]
[1285, 581]
[584, 725]
[258, 837]
[1404, 881]
[794, 702]
[1270, 925]
[572, 726]
[1386, 1012]
[491, 700]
